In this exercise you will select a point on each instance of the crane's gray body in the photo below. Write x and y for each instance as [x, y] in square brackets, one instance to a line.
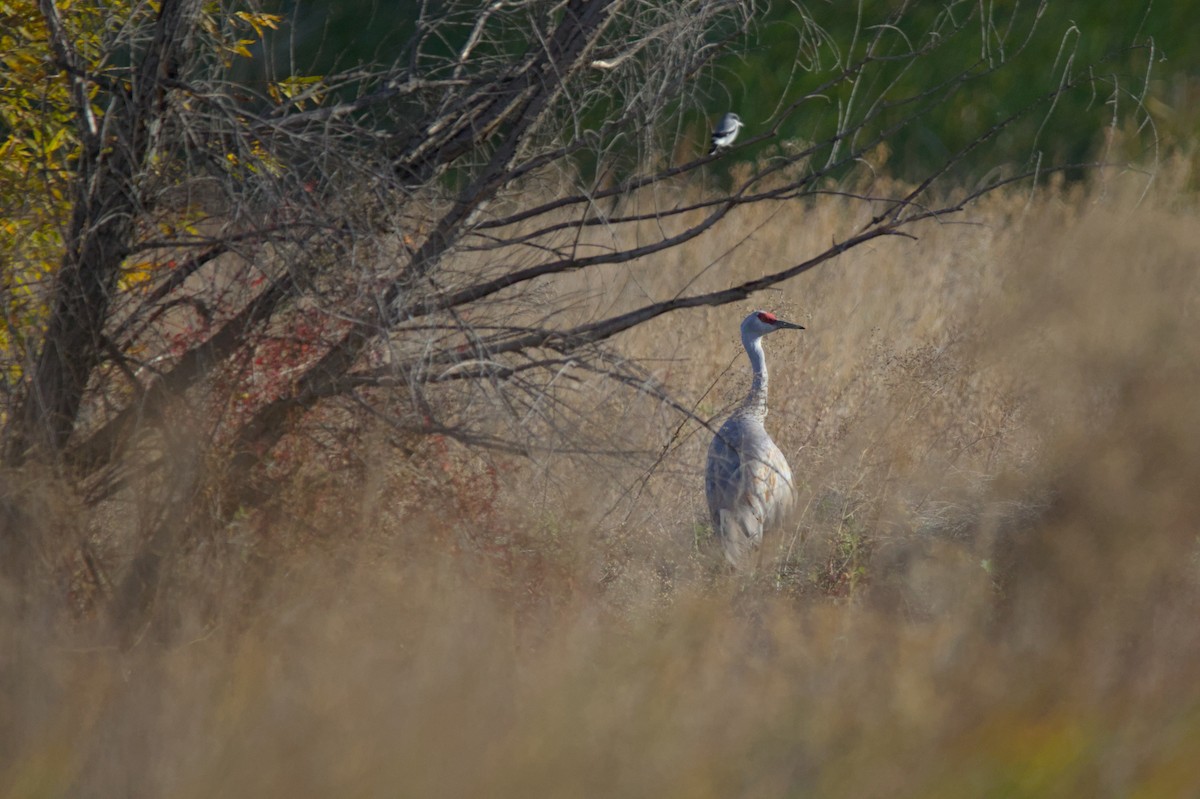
[747, 480]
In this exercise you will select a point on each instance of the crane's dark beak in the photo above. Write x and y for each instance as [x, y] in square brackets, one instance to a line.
[782, 324]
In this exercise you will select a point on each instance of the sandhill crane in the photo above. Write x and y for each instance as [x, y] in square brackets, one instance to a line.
[725, 132]
[747, 479]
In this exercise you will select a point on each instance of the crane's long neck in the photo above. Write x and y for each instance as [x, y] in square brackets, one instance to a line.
[755, 403]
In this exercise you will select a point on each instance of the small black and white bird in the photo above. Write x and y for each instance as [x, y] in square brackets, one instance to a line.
[725, 132]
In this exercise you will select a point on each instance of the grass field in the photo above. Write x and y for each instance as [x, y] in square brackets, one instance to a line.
[991, 586]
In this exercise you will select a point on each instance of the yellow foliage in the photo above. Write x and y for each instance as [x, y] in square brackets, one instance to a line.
[37, 158]
[41, 149]
[296, 86]
[259, 21]
[134, 275]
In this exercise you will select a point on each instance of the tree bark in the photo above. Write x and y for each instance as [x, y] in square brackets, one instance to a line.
[112, 156]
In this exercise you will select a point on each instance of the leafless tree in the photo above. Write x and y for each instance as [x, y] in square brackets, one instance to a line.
[384, 232]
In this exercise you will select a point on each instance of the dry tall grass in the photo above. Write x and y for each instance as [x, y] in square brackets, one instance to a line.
[991, 588]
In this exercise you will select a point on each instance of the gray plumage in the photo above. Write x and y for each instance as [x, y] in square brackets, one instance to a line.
[725, 132]
[747, 479]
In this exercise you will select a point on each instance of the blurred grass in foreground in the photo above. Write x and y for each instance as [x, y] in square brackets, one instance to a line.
[992, 588]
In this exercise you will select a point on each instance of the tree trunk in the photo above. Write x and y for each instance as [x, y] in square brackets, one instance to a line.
[73, 343]
[98, 239]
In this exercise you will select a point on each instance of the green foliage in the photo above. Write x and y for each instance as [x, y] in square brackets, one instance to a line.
[1119, 54]
[1107, 49]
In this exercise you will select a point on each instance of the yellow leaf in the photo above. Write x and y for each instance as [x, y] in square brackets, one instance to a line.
[259, 21]
[138, 273]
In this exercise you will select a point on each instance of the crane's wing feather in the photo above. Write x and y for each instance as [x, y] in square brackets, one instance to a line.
[748, 485]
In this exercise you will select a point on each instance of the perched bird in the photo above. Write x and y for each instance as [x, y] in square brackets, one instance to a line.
[747, 479]
[725, 132]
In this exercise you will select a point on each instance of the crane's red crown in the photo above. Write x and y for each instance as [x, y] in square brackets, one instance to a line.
[769, 318]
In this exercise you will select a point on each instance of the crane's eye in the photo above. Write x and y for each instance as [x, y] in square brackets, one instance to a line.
[769, 318]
